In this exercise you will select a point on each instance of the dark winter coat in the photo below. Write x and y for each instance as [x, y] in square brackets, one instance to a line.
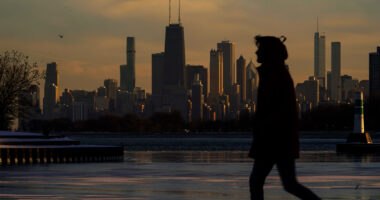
[275, 133]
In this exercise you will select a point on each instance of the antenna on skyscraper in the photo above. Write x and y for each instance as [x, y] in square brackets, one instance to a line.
[170, 10]
[179, 11]
[317, 25]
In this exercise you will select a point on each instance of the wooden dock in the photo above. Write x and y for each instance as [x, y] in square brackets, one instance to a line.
[31, 148]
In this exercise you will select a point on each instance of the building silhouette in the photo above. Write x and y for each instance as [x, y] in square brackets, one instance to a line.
[216, 73]
[235, 100]
[66, 102]
[374, 74]
[329, 84]
[191, 72]
[111, 88]
[128, 71]
[308, 92]
[174, 68]
[158, 75]
[320, 57]
[241, 77]
[228, 49]
[101, 100]
[197, 99]
[174, 97]
[335, 90]
[349, 87]
[51, 90]
[252, 79]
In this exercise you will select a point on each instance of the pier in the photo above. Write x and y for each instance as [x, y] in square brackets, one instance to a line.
[33, 148]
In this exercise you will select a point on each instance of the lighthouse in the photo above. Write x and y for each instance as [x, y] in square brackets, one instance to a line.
[359, 135]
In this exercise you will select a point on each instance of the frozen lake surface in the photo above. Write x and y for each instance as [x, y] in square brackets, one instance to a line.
[176, 175]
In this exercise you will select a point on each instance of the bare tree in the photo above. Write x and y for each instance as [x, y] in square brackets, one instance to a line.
[17, 75]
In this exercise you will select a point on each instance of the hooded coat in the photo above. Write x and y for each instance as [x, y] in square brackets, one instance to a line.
[275, 133]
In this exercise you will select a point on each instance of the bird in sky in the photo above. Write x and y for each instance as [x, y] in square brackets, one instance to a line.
[61, 36]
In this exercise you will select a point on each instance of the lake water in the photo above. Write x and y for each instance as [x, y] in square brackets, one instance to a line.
[175, 175]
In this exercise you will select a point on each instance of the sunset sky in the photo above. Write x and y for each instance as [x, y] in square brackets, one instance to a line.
[93, 46]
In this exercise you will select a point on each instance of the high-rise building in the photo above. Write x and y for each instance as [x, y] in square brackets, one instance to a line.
[336, 87]
[158, 62]
[101, 91]
[197, 99]
[34, 95]
[80, 111]
[111, 86]
[128, 71]
[216, 73]
[123, 77]
[308, 91]
[228, 49]
[320, 57]
[329, 84]
[84, 96]
[174, 95]
[51, 90]
[235, 98]
[241, 77]
[191, 73]
[349, 87]
[174, 68]
[252, 79]
[101, 100]
[66, 99]
[374, 74]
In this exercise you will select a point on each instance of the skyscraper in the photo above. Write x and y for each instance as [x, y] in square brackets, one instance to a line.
[320, 57]
[309, 91]
[123, 77]
[252, 81]
[216, 73]
[228, 49]
[51, 90]
[158, 62]
[174, 68]
[191, 72]
[374, 74]
[335, 90]
[349, 87]
[128, 71]
[174, 93]
[241, 77]
[111, 89]
[329, 84]
[197, 99]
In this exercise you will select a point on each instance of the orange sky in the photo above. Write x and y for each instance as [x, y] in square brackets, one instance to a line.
[94, 32]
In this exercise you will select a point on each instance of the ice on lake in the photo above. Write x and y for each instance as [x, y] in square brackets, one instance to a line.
[189, 175]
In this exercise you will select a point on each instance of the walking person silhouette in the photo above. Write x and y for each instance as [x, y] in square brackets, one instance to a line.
[275, 136]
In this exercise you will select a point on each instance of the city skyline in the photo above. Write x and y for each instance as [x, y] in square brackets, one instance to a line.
[84, 64]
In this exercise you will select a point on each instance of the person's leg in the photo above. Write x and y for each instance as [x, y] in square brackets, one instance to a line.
[260, 171]
[286, 168]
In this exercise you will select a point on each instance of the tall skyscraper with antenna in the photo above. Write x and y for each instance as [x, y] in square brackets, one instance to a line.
[174, 93]
[320, 56]
[175, 53]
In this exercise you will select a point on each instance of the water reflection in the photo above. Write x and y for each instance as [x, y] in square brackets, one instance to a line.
[239, 157]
